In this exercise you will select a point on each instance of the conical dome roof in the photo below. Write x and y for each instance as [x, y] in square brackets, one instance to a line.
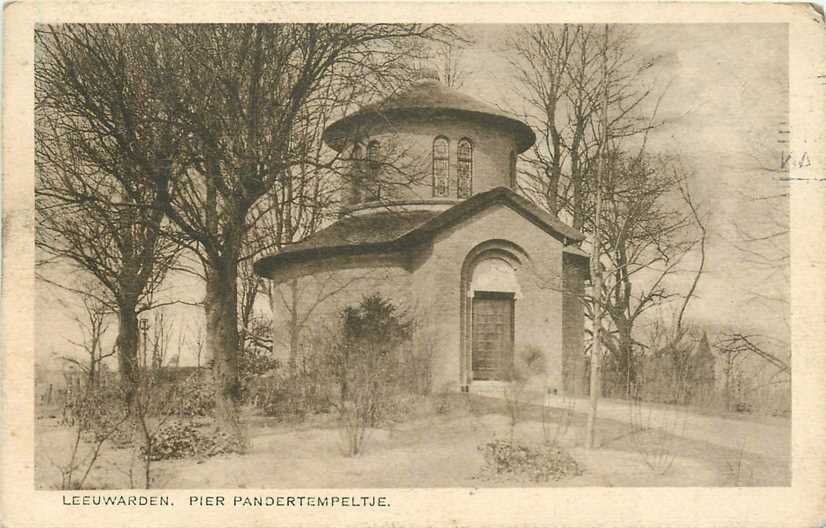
[428, 97]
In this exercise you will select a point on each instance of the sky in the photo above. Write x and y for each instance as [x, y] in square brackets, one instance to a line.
[725, 99]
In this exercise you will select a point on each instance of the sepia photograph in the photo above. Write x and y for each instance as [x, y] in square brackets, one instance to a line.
[386, 264]
[411, 255]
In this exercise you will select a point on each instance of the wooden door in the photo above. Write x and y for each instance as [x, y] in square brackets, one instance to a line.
[492, 334]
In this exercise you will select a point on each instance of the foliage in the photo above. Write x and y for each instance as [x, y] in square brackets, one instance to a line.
[195, 160]
[200, 396]
[97, 415]
[292, 395]
[520, 462]
[367, 356]
[254, 362]
[367, 366]
[181, 440]
[98, 412]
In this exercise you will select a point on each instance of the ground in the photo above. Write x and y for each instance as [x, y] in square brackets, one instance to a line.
[441, 450]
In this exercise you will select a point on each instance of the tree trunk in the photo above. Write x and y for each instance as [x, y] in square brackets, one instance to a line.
[93, 360]
[220, 305]
[626, 359]
[127, 345]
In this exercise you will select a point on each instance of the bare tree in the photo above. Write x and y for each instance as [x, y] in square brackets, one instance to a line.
[292, 211]
[597, 296]
[93, 325]
[254, 84]
[736, 348]
[564, 73]
[208, 116]
[581, 90]
[760, 230]
[448, 59]
[645, 239]
[300, 301]
[103, 164]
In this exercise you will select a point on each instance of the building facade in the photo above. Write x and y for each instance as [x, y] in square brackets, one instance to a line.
[430, 221]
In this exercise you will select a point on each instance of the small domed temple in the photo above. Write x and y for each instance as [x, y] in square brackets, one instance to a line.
[430, 220]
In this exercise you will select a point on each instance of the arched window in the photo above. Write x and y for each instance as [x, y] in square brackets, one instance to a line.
[356, 173]
[372, 173]
[373, 152]
[440, 166]
[464, 168]
[512, 170]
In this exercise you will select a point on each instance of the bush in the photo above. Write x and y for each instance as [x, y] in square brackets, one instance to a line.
[253, 364]
[182, 440]
[174, 440]
[291, 396]
[100, 414]
[367, 364]
[543, 463]
[197, 396]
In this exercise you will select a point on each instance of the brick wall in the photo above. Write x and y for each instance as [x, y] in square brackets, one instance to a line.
[538, 321]
[427, 282]
[319, 292]
[407, 147]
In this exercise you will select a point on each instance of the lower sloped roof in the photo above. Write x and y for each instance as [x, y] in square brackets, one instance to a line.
[389, 230]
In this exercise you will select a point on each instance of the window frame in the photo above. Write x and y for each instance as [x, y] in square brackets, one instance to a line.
[446, 160]
[460, 160]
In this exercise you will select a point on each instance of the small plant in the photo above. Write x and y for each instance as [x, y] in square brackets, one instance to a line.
[654, 434]
[200, 396]
[741, 474]
[97, 417]
[552, 435]
[520, 462]
[367, 363]
[174, 440]
[183, 440]
[529, 362]
[291, 395]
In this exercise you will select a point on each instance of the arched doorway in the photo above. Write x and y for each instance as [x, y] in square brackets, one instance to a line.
[490, 289]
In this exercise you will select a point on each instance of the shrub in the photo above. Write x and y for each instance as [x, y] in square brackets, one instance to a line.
[174, 440]
[253, 363]
[182, 440]
[100, 414]
[97, 414]
[197, 396]
[367, 365]
[542, 463]
[290, 396]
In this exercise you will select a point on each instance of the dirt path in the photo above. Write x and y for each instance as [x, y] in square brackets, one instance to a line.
[745, 452]
[762, 439]
[770, 438]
